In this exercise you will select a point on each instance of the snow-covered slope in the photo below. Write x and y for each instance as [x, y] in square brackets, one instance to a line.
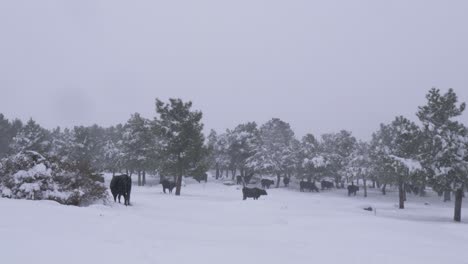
[211, 224]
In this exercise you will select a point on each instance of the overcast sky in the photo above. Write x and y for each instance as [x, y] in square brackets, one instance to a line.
[320, 65]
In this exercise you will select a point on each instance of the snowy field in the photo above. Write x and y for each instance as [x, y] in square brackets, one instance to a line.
[210, 223]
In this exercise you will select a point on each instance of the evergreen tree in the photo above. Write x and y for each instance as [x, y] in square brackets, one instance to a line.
[444, 153]
[242, 141]
[137, 144]
[397, 147]
[32, 137]
[360, 166]
[8, 130]
[313, 164]
[179, 130]
[276, 150]
[337, 149]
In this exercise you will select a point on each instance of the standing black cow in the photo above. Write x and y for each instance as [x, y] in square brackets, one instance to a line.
[286, 181]
[239, 180]
[352, 189]
[254, 193]
[168, 185]
[200, 178]
[326, 185]
[121, 186]
[305, 185]
[266, 183]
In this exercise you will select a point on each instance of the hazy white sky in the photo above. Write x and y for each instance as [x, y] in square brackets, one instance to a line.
[320, 65]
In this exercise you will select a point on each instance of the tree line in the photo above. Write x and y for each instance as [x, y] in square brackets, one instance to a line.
[411, 156]
[432, 153]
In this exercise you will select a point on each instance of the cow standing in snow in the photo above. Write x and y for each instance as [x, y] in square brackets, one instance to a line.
[168, 185]
[326, 185]
[286, 181]
[353, 189]
[254, 193]
[305, 185]
[121, 186]
[266, 183]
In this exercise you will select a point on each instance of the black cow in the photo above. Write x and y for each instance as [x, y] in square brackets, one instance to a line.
[353, 189]
[121, 186]
[286, 181]
[201, 178]
[239, 180]
[326, 185]
[247, 179]
[266, 183]
[305, 185]
[168, 185]
[254, 193]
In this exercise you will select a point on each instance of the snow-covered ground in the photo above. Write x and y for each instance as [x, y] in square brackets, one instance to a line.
[210, 223]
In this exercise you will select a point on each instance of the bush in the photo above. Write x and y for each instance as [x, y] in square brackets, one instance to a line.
[29, 175]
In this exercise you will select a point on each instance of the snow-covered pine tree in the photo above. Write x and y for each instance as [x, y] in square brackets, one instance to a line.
[32, 137]
[445, 154]
[397, 146]
[313, 165]
[180, 131]
[137, 146]
[337, 149]
[276, 149]
[8, 130]
[241, 146]
[360, 165]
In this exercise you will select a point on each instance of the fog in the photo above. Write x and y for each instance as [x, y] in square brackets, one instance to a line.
[320, 65]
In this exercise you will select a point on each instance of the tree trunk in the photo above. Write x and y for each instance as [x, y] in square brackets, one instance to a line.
[373, 184]
[458, 204]
[378, 184]
[234, 171]
[401, 194]
[365, 187]
[227, 173]
[178, 185]
[447, 196]
[278, 179]
[217, 171]
[139, 178]
[144, 178]
[384, 189]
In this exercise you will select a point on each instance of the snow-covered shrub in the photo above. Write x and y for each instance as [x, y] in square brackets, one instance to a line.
[29, 175]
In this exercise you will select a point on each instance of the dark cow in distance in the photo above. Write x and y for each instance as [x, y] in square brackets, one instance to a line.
[353, 189]
[201, 178]
[168, 185]
[305, 185]
[254, 193]
[239, 180]
[286, 181]
[121, 186]
[327, 185]
[266, 183]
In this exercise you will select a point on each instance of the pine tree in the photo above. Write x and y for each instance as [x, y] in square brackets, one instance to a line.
[397, 147]
[32, 137]
[444, 153]
[137, 144]
[179, 129]
[276, 150]
[241, 146]
[337, 149]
